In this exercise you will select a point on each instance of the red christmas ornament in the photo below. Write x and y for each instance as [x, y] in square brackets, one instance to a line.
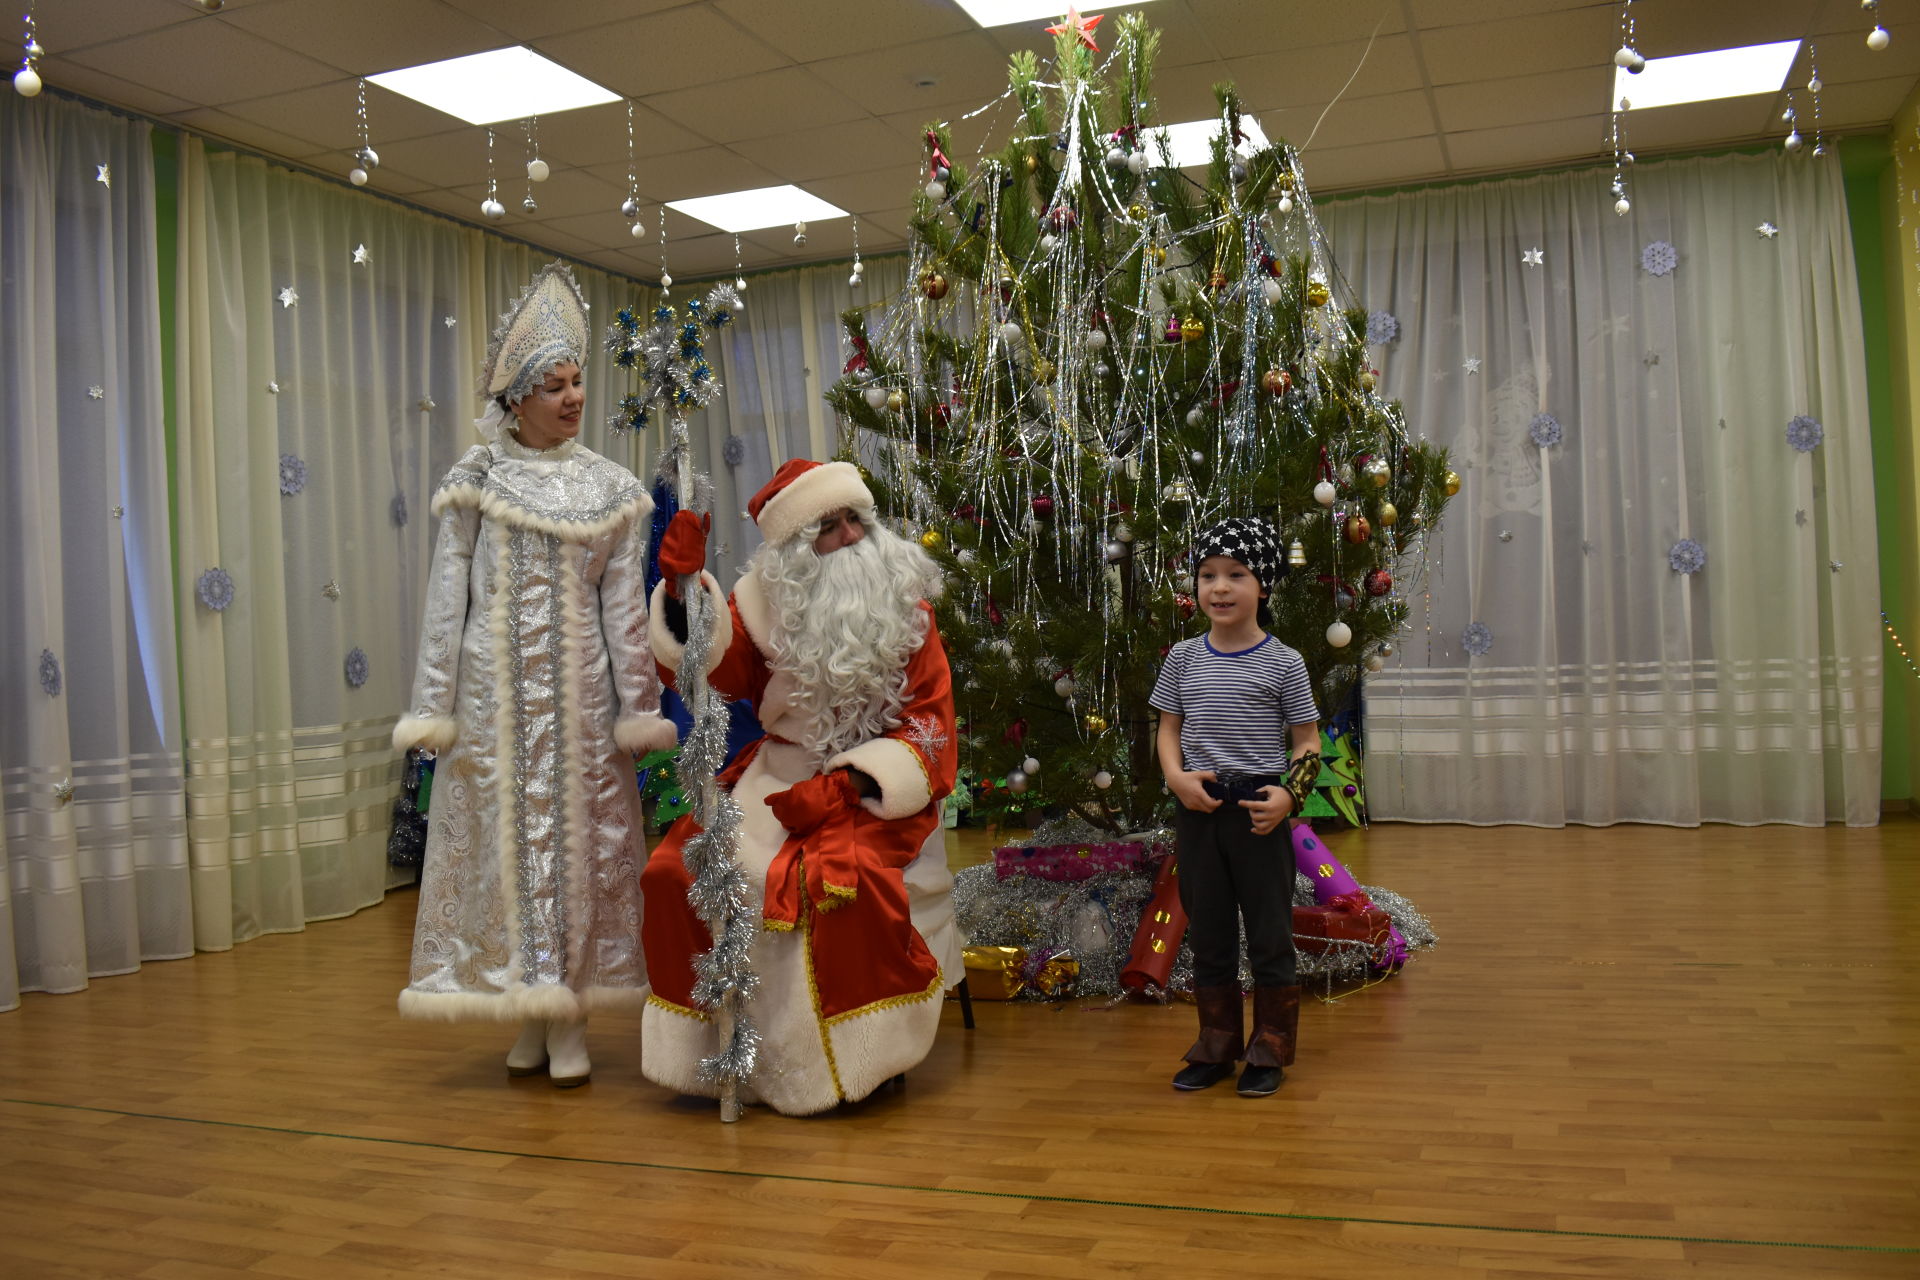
[1061, 218]
[1357, 529]
[1043, 505]
[1016, 733]
[1378, 582]
[1184, 603]
[1172, 333]
[1276, 381]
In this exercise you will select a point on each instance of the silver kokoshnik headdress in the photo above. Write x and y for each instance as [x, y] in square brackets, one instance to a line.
[546, 326]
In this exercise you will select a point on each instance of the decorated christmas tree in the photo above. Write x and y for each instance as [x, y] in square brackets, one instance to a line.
[1098, 357]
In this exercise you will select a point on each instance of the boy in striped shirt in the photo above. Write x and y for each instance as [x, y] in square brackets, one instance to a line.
[1235, 705]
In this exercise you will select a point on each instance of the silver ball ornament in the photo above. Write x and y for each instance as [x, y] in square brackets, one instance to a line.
[1814, 85]
[492, 210]
[1195, 417]
[629, 208]
[1031, 765]
[1386, 650]
[1116, 158]
[530, 204]
[1016, 780]
[936, 191]
[1063, 687]
[1792, 142]
[1096, 340]
[1375, 662]
[1010, 334]
[800, 239]
[1116, 551]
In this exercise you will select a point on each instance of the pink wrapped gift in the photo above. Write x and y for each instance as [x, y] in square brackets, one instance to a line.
[1074, 861]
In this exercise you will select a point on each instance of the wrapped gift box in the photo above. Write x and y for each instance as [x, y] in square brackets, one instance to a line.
[1316, 928]
[1073, 861]
[994, 973]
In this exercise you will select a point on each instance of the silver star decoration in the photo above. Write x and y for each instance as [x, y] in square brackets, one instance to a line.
[360, 255]
[1835, 566]
[63, 791]
[332, 590]
[96, 392]
[1533, 258]
[117, 510]
[1472, 366]
[288, 297]
[273, 388]
[448, 321]
[103, 175]
[1586, 548]
[1506, 535]
[1767, 230]
[1650, 359]
[1800, 517]
[427, 405]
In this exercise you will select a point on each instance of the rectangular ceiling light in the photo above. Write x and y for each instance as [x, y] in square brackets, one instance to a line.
[503, 84]
[757, 209]
[1701, 77]
[1192, 142]
[1004, 13]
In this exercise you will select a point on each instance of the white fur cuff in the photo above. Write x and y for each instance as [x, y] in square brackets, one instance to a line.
[897, 767]
[821, 491]
[645, 731]
[435, 733]
[666, 647]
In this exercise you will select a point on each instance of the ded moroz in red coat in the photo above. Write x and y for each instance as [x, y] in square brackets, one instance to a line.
[857, 927]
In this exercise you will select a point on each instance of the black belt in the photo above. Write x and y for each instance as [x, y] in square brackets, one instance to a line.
[1242, 786]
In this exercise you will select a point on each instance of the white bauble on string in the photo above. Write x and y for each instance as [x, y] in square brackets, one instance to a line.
[1286, 204]
[1270, 289]
[1049, 242]
[666, 280]
[1064, 686]
[1878, 39]
[1010, 334]
[1323, 493]
[1621, 206]
[1339, 635]
[1102, 780]
[936, 191]
[1123, 532]
[1116, 551]
[1629, 60]
[1137, 162]
[638, 231]
[492, 210]
[876, 397]
[537, 170]
[1096, 340]
[357, 176]
[26, 82]
[1195, 417]
[853, 281]
[1031, 765]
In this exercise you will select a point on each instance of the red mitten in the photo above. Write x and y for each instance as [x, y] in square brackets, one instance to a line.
[819, 814]
[803, 806]
[683, 547]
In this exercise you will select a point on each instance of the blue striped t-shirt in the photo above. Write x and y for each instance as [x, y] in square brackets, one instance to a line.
[1235, 707]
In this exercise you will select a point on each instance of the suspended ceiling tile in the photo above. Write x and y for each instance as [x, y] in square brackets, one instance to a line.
[891, 189]
[1863, 102]
[1246, 27]
[567, 193]
[604, 229]
[645, 57]
[1354, 121]
[522, 22]
[702, 255]
[756, 106]
[457, 158]
[1848, 58]
[62, 73]
[1448, 13]
[1555, 95]
[365, 36]
[1696, 28]
[592, 136]
[1377, 164]
[966, 65]
[62, 28]
[832, 28]
[832, 151]
[326, 115]
[1303, 77]
[685, 174]
[206, 62]
[1533, 144]
[1700, 124]
[1523, 46]
[1182, 39]
[245, 133]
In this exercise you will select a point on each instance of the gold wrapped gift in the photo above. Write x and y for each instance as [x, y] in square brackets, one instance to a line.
[993, 973]
[1057, 977]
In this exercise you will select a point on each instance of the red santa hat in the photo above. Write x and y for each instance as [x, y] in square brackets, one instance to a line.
[801, 492]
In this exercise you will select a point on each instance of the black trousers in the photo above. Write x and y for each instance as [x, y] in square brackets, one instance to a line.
[1227, 873]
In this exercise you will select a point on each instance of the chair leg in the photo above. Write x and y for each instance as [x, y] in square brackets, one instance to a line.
[966, 1004]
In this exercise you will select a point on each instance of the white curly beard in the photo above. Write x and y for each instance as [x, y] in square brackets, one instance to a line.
[844, 626]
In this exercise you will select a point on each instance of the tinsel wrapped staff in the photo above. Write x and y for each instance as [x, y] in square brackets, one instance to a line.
[676, 378]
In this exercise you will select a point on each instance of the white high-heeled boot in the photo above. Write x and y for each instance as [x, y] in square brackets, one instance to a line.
[528, 1057]
[567, 1063]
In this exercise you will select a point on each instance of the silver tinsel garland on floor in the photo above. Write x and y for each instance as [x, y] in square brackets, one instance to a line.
[1095, 920]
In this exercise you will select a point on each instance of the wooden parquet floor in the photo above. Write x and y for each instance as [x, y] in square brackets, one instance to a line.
[1637, 1052]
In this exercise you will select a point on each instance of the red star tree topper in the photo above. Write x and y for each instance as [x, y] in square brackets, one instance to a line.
[1079, 26]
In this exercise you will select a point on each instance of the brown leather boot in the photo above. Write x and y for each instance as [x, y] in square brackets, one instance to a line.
[1222, 1035]
[1276, 1026]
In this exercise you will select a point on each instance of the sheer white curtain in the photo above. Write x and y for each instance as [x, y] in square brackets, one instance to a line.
[94, 847]
[1611, 687]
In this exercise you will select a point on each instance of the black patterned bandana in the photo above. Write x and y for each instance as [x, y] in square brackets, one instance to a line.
[1254, 543]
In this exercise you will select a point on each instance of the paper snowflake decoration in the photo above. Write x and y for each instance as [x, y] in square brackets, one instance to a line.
[734, 451]
[1659, 258]
[103, 174]
[1476, 639]
[1534, 258]
[96, 392]
[1545, 430]
[1382, 328]
[1805, 434]
[360, 255]
[1472, 365]
[293, 475]
[50, 673]
[288, 297]
[215, 589]
[1687, 556]
[356, 666]
[398, 510]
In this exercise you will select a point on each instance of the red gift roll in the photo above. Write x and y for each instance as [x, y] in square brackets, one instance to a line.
[1156, 943]
[1316, 928]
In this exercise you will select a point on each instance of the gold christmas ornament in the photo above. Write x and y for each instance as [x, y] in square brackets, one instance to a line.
[1388, 515]
[933, 539]
[1042, 369]
[896, 400]
[1095, 722]
[1033, 162]
[1218, 280]
[1379, 472]
[934, 285]
[1297, 554]
[1276, 381]
[1193, 329]
[1138, 212]
[1317, 293]
[1453, 483]
[1367, 381]
[1158, 253]
[1358, 530]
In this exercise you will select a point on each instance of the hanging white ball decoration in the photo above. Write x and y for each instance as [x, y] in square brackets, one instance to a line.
[1195, 417]
[739, 284]
[1064, 686]
[1339, 635]
[936, 191]
[638, 231]
[1375, 662]
[492, 209]
[1270, 290]
[1031, 765]
[666, 280]
[876, 397]
[1323, 493]
[1116, 552]
[1137, 163]
[1286, 204]
[1096, 339]
[26, 82]
[357, 176]
[1049, 242]
[1621, 206]
[853, 281]
[1123, 532]
[537, 170]
[1102, 780]
[1010, 334]
[1878, 39]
